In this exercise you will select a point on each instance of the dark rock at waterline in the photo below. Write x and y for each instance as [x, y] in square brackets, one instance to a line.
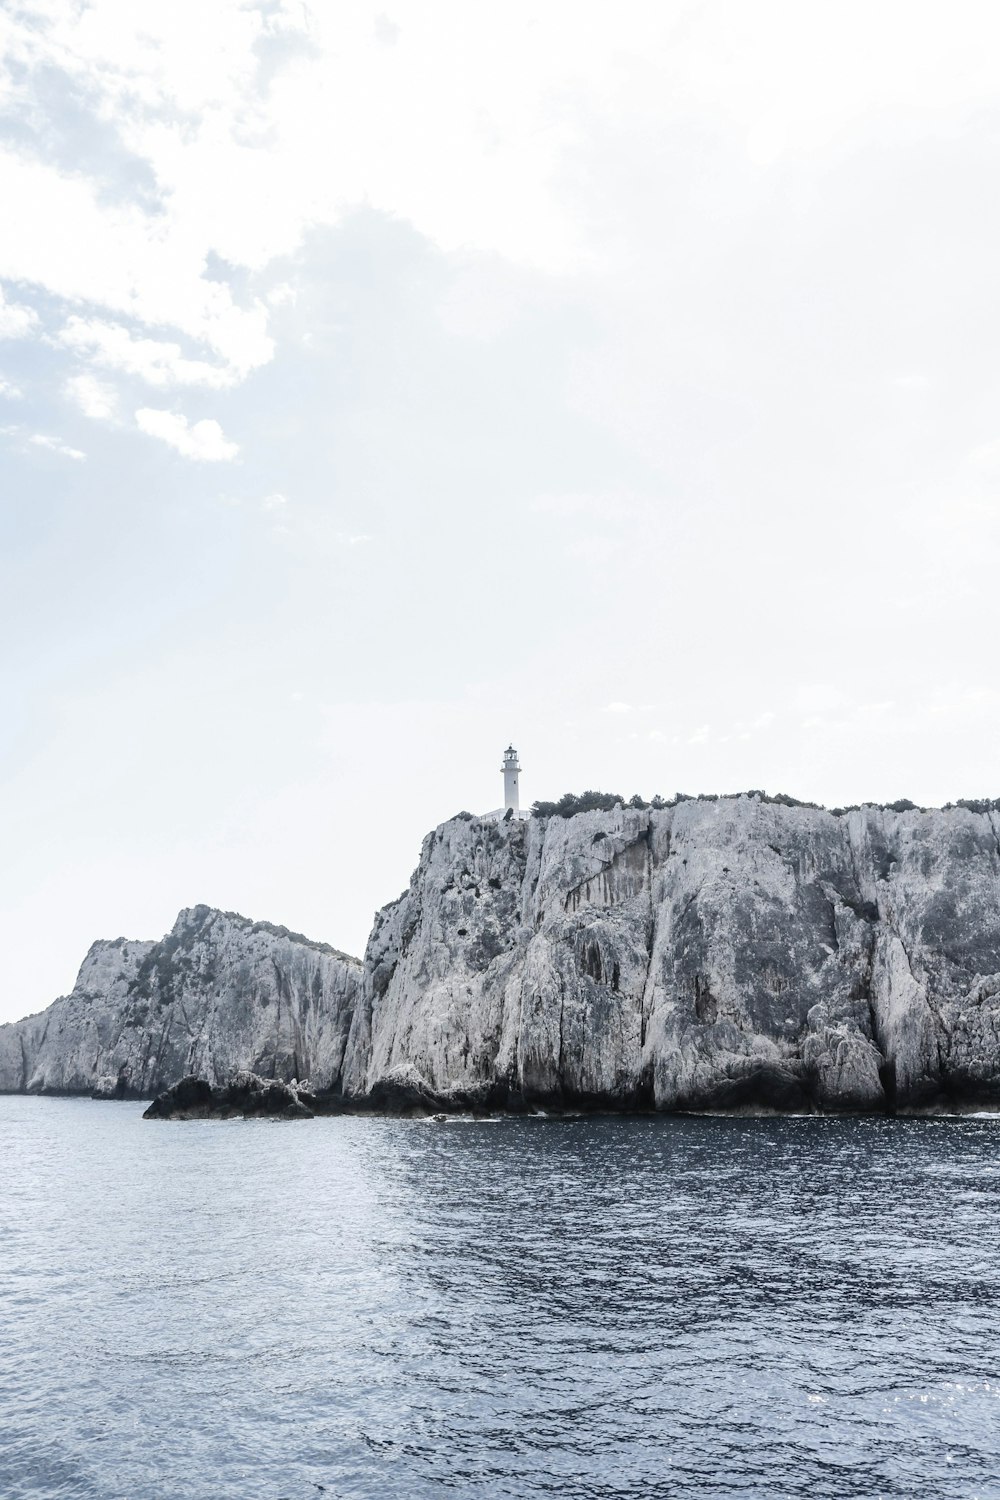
[245, 1095]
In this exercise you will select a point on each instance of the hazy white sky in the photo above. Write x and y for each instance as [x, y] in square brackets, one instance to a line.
[378, 385]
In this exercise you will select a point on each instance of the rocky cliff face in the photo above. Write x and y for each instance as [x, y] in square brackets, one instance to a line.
[717, 954]
[217, 994]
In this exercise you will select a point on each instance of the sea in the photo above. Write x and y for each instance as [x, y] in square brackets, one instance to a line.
[592, 1308]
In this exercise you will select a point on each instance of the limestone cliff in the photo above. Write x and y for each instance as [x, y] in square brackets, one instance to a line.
[717, 954]
[721, 953]
[217, 994]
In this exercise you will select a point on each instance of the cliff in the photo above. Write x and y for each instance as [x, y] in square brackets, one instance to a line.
[219, 993]
[710, 955]
[715, 954]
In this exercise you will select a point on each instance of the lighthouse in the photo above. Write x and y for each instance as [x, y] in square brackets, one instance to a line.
[511, 810]
[510, 769]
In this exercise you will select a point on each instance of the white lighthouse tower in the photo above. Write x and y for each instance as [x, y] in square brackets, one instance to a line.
[511, 810]
[510, 769]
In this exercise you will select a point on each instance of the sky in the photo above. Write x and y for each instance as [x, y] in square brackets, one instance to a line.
[380, 385]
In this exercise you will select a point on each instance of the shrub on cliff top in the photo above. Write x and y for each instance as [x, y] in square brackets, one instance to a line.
[571, 803]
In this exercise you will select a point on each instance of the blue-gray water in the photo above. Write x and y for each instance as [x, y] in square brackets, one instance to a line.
[584, 1308]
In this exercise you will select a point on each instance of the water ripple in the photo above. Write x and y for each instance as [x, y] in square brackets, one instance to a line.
[587, 1309]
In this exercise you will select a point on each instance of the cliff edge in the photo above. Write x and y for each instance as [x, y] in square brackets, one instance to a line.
[715, 954]
[217, 995]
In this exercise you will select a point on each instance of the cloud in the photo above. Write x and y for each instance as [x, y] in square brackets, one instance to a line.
[617, 708]
[243, 127]
[60, 234]
[234, 158]
[202, 440]
[9, 390]
[55, 445]
[158, 362]
[472, 125]
[274, 502]
[95, 399]
[16, 321]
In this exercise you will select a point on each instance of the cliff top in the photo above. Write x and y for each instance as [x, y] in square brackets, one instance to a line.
[571, 803]
[194, 920]
[197, 918]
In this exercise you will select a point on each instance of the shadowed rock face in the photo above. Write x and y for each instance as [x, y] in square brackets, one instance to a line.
[216, 995]
[244, 1095]
[729, 954]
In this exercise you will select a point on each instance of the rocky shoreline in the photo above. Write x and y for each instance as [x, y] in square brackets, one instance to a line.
[224, 1103]
[736, 954]
[246, 1096]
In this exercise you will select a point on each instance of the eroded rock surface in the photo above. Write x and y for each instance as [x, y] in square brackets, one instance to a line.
[245, 1095]
[717, 954]
[218, 994]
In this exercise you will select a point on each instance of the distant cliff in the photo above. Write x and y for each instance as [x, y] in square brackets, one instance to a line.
[218, 993]
[720, 954]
